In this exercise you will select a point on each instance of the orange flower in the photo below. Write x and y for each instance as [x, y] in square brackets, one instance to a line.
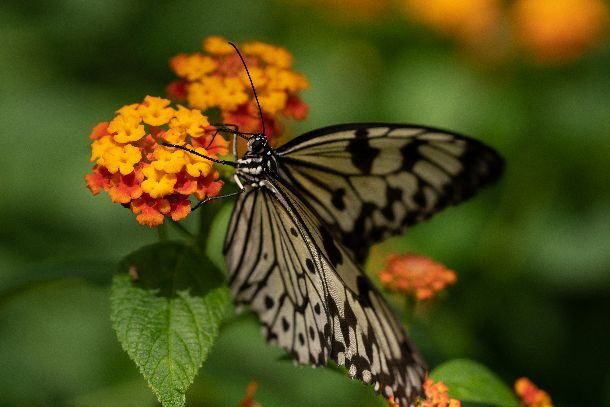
[437, 395]
[152, 180]
[216, 79]
[415, 275]
[468, 21]
[560, 30]
[248, 400]
[531, 395]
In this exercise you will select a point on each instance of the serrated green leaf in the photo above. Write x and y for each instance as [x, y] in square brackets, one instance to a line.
[167, 303]
[468, 380]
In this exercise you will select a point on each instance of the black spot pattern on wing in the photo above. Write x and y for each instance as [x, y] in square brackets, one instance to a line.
[337, 198]
[417, 170]
[362, 154]
[334, 255]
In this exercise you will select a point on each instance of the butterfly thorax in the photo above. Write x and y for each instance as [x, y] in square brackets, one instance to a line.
[259, 162]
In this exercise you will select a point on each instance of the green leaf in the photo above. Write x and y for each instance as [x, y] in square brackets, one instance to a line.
[167, 302]
[470, 381]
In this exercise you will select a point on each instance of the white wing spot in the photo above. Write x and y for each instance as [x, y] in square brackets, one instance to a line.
[352, 370]
[341, 359]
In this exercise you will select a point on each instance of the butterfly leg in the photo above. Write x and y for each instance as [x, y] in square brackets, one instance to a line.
[227, 128]
[188, 150]
[211, 198]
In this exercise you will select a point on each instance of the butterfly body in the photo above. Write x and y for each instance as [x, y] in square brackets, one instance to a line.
[303, 223]
[260, 161]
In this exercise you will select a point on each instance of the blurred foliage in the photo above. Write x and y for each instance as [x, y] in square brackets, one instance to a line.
[532, 254]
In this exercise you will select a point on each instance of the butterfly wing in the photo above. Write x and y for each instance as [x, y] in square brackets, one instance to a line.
[311, 298]
[370, 181]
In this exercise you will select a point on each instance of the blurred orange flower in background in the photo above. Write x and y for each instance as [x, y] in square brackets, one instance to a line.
[216, 79]
[531, 395]
[152, 180]
[468, 21]
[248, 400]
[559, 30]
[419, 276]
[550, 31]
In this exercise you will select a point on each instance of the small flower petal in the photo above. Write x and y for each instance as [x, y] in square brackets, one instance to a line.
[217, 45]
[155, 111]
[157, 183]
[126, 129]
[100, 130]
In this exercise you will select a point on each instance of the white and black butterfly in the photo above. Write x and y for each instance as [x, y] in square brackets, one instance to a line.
[306, 216]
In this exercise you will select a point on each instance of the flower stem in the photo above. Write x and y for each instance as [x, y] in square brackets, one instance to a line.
[183, 231]
[206, 217]
[408, 310]
[162, 232]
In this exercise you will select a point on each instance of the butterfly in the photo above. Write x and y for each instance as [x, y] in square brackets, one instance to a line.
[307, 214]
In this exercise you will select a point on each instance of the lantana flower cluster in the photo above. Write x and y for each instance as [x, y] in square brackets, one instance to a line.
[216, 79]
[531, 395]
[437, 395]
[415, 275]
[140, 173]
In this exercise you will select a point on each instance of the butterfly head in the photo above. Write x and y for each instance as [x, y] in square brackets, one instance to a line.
[257, 144]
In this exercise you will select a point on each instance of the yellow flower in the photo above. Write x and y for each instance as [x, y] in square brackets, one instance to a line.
[270, 54]
[126, 129]
[283, 79]
[154, 111]
[169, 160]
[228, 88]
[190, 121]
[198, 166]
[192, 67]
[204, 94]
[259, 76]
[130, 110]
[273, 101]
[157, 183]
[233, 94]
[175, 136]
[100, 146]
[149, 178]
[122, 158]
[217, 45]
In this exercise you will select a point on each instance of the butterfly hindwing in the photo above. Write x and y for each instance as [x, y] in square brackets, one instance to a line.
[370, 181]
[312, 299]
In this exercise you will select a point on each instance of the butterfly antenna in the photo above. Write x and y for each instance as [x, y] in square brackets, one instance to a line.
[260, 111]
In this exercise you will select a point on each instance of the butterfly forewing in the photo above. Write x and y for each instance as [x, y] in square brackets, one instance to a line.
[311, 297]
[371, 181]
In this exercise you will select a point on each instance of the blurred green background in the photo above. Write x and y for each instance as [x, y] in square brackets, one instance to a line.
[532, 253]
